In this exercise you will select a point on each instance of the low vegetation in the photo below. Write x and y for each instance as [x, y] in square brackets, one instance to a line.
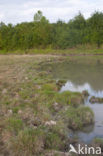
[35, 117]
[77, 118]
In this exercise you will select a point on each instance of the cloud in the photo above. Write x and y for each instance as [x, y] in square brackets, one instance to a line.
[19, 11]
[1, 16]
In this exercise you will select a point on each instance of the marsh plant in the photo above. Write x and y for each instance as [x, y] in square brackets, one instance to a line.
[35, 117]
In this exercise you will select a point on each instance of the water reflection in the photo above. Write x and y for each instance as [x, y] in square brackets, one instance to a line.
[79, 88]
[82, 74]
[90, 132]
[78, 73]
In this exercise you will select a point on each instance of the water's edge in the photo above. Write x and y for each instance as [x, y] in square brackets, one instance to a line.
[92, 131]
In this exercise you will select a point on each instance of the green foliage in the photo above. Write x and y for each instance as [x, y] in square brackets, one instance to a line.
[69, 98]
[95, 23]
[38, 16]
[49, 89]
[42, 34]
[14, 125]
[77, 118]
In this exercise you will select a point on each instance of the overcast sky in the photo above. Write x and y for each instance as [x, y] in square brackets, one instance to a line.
[16, 11]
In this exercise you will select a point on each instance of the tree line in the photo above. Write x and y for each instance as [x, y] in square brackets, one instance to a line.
[40, 33]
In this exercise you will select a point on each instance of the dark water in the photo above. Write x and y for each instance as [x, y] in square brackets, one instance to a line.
[83, 76]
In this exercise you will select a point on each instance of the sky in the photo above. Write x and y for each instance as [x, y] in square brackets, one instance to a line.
[16, 11]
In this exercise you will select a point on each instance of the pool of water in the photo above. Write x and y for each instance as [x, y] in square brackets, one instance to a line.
[79, 76]
[92, 131]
